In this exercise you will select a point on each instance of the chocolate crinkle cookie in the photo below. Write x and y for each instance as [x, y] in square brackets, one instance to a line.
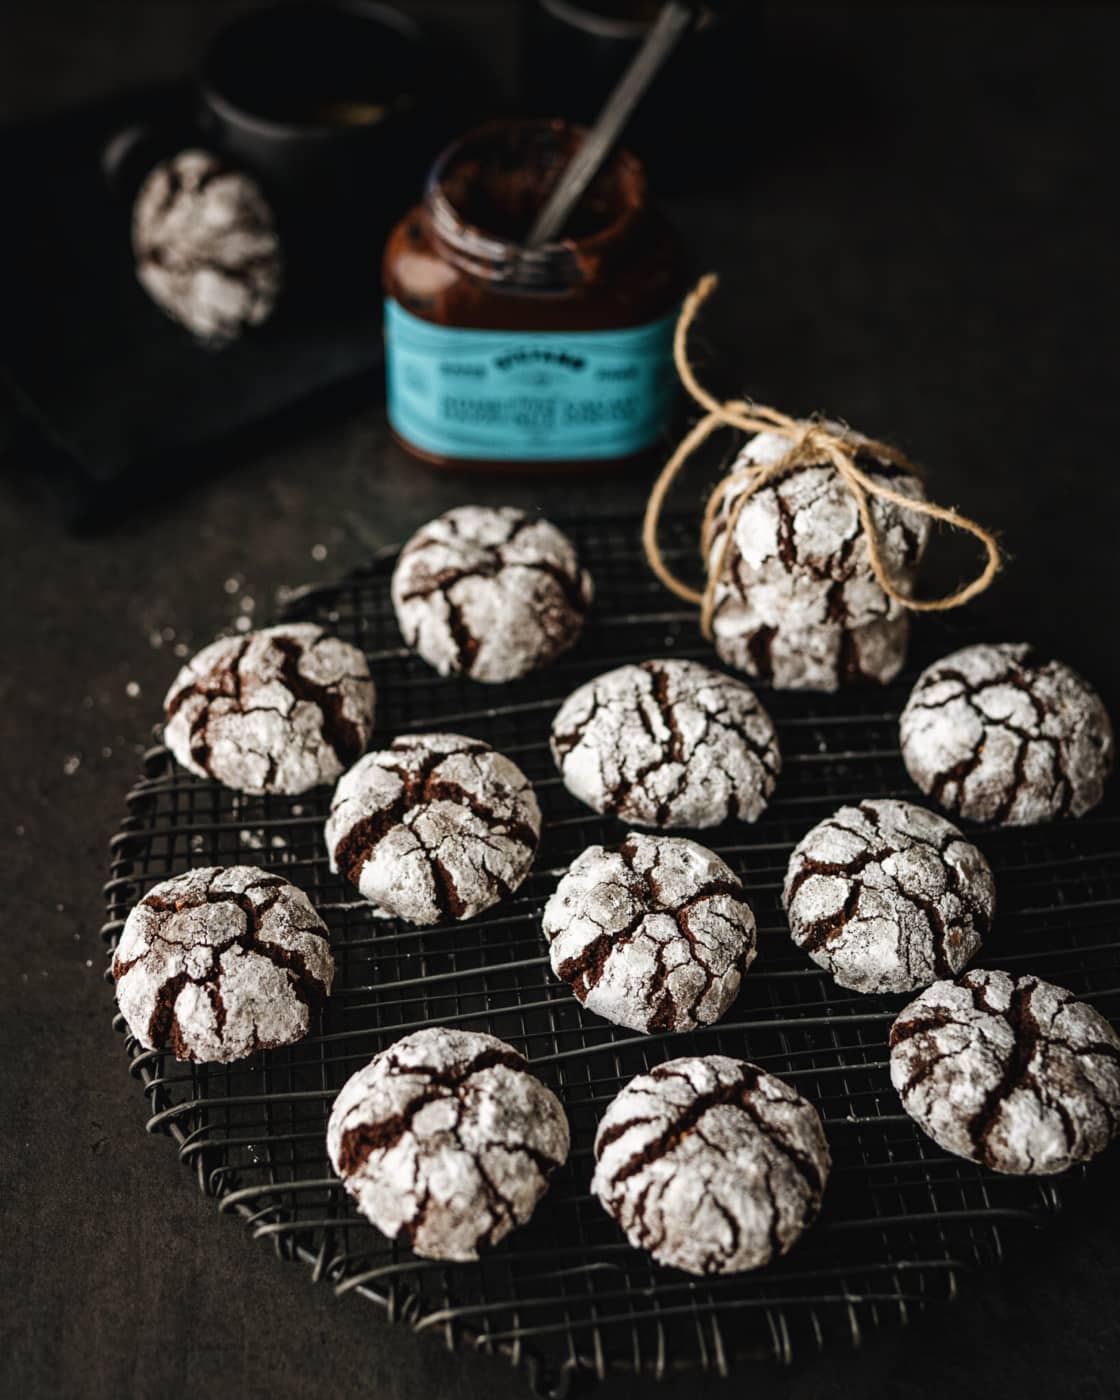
[491, 594]
[280, 710]
[435, 828]
[711, 1164]
[1011, 1072]
[448, 1140]
[219, 963]
[999, 734]
[667, 744]
[206, 246]
[654, 934]
[887, 897]
[797, 603]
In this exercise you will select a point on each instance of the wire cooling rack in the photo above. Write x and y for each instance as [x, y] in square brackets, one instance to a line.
[565, 1296]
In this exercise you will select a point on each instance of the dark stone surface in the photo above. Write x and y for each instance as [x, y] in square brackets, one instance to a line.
[925, 248]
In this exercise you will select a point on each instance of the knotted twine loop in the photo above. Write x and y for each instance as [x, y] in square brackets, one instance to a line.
[810, 444]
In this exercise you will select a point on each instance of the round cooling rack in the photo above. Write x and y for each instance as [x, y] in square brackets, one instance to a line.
[565, 1296]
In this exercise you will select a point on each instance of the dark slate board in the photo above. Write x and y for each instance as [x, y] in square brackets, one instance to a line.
[109, 402]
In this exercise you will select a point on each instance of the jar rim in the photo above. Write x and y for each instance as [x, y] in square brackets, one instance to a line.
[505, 258]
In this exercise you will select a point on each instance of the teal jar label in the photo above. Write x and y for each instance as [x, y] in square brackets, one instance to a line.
[527, 395]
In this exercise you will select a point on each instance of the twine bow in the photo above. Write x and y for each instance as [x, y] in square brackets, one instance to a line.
[810, 444]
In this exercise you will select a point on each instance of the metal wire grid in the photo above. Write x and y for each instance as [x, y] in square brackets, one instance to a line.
[565, 1296]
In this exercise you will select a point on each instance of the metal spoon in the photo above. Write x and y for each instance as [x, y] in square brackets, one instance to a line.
[664, 35]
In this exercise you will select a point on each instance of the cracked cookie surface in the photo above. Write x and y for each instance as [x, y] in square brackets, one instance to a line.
[797, 603]
[655, 934]
[998, 734]
[435, 828]
[447, 1139]
[490, 593]
[1011, 1072]
[221, 962]
[667, 744]
[710, 1164]
[888, 897]
[206, 247]
[279, 710]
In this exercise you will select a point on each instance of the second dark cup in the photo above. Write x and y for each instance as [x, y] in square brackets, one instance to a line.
[333, 108]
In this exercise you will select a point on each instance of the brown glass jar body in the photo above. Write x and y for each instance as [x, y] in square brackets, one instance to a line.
[508, 357]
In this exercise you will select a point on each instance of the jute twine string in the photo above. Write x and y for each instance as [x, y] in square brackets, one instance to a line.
[810, 444]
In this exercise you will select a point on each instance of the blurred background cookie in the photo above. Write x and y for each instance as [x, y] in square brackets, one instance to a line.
[206, 246]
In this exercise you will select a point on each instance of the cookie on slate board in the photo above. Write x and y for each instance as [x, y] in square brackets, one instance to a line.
[435, 828]
[218, 963]
[667, 744]
[448, 1140]
[206, 247]
[711, 1164]
[887, 896]
[797, 603]
[999, 734]
[654, 934]
[490, 593]
[280, 710]
[1011, 1072]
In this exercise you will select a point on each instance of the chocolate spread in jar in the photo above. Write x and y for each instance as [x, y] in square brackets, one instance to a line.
[502, 355]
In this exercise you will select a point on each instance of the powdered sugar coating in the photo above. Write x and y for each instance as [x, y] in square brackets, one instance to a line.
[998, 734]
[448, 1140]
[437, 827]
[1011, 1072]
[279, 710]
[491, 593]
[206, 246]
[711, 1164]
[667, 744]
[654, 934]
[797, 603]
[218, 963]
[887, 896]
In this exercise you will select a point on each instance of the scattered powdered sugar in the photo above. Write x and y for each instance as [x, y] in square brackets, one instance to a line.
[887, 896]
[797, 602]
[447, 1139]
[654, 934]
[218, 963]
[491, 593]
[710, 1164]
[667, 743]
[435, 828]
[1011, 1072]
[281, 710]
[998, 734]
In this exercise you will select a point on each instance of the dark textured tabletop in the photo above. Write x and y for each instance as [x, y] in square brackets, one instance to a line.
[926, 246]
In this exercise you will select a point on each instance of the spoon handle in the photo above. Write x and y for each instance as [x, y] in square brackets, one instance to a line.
[663, 37]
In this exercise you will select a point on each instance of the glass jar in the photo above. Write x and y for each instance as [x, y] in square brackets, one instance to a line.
[501, 355]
